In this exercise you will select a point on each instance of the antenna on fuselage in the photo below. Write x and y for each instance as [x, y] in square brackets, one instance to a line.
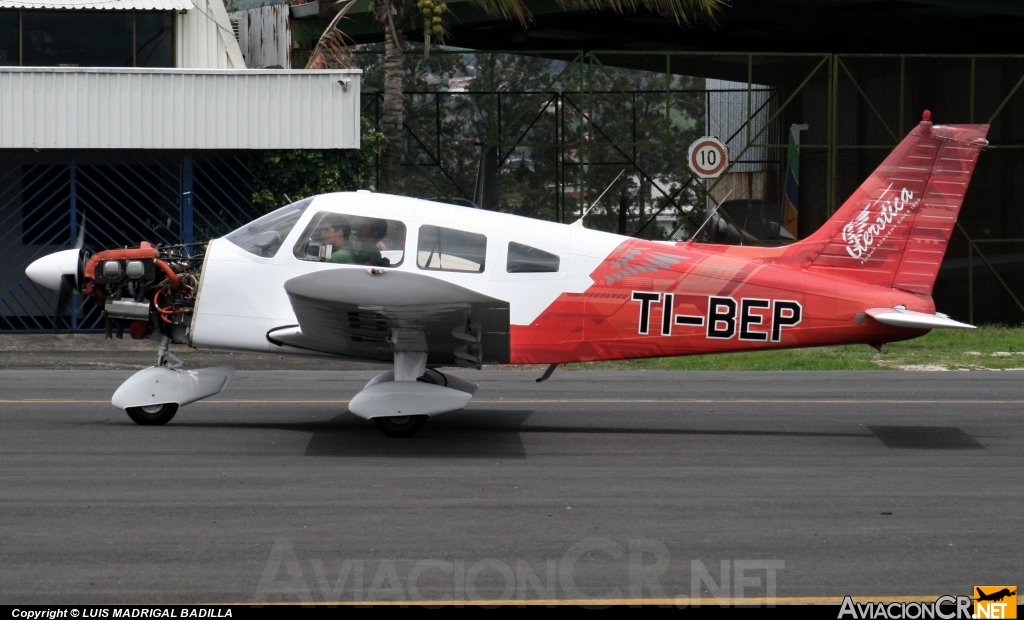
[711, 215]
[579, 222]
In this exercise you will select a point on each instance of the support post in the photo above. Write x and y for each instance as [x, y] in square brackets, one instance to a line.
[833, 139]
[590, 126]
[668, 101]
[903, 93]
[73, 202]
[580, 200]
[970, 283]
[187, 234]
[970, 116]
[750, 96]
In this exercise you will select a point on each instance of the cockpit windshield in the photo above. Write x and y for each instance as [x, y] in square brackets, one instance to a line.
[264, 237]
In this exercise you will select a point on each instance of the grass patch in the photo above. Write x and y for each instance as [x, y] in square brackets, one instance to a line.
[990, 347]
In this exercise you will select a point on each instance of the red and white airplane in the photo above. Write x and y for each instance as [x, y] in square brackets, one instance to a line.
[421, 285]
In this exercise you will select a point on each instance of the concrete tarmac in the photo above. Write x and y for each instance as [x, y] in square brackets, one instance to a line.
[594, 484]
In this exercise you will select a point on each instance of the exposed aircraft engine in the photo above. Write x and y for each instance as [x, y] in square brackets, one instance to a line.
[152, 289]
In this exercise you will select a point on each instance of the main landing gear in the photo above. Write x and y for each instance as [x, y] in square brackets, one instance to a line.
[400, 401]
[401, 425]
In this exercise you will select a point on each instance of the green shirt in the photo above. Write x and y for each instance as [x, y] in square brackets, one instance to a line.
[344, 255]
[369, 256]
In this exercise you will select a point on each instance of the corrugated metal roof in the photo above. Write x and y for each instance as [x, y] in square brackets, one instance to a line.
[149, 5]
[104, 108]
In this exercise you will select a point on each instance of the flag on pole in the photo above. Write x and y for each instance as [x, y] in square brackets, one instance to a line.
[791, 193]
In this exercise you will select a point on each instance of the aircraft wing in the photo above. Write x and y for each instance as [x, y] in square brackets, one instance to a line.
[358, 314]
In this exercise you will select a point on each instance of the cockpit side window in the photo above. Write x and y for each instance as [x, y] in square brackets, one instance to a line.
[352, 240]
[526, 259]
[264, 236]
[447, 249]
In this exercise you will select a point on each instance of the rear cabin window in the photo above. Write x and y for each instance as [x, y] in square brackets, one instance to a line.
[446, 249]
[525, 259]
[352, 240]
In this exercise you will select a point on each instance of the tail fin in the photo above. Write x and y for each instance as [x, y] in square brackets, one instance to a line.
[894, 230]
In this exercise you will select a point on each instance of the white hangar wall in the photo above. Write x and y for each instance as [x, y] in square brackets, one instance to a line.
[114, 108]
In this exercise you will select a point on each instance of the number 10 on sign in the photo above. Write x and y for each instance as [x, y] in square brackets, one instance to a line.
[708, 157]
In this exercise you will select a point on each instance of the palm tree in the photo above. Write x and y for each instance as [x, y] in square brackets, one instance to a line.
[400, 16]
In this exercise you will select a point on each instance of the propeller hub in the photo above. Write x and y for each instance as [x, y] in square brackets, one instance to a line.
[49, 270]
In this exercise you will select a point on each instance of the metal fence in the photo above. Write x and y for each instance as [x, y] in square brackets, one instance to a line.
[544, 135]
[121, 198]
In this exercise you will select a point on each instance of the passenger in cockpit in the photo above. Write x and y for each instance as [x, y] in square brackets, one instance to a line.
[335, 231]
[368, 241]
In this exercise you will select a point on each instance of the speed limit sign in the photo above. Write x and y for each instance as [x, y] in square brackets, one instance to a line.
[708, 157]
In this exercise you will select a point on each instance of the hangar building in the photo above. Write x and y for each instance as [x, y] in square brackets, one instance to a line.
[133, 118]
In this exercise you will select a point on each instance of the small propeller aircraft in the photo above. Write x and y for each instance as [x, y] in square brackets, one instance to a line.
[421, 285]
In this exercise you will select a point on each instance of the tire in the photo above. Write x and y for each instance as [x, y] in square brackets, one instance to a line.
[401, 426]
[153, 415]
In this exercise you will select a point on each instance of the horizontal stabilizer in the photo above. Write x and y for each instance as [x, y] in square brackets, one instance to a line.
[902, 317]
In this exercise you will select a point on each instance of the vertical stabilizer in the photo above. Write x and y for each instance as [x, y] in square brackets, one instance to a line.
[894, 230]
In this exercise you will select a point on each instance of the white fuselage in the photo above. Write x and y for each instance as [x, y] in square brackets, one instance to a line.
[242, 295]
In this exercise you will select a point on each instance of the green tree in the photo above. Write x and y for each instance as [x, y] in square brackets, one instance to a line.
[297, 174]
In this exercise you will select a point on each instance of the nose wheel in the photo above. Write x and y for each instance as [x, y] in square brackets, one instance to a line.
[400, 426]
[152, 415]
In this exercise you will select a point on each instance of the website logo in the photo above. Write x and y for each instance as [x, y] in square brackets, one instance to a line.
[995, 602]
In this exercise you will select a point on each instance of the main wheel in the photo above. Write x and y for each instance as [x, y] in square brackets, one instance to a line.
[153, 415]
[401, 426]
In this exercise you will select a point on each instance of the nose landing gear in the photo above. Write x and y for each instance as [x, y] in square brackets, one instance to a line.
[152, 396]
[152, 415]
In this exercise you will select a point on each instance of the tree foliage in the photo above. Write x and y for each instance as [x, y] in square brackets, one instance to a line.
[300, 173]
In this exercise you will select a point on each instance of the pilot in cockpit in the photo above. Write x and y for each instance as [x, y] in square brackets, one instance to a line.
[335, 231]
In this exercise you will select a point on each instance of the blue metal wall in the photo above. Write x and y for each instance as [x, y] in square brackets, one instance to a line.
[122, 197]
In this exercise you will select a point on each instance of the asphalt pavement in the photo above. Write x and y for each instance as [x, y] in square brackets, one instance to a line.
[640, 485]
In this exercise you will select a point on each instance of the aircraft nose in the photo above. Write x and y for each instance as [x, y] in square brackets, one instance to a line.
[48, 270]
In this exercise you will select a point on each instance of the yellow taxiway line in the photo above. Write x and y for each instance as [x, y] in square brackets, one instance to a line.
[582, 401]
[604, 602]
